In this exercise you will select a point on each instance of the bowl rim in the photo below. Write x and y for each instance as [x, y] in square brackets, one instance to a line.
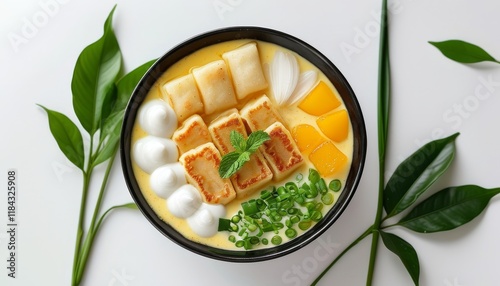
[261, 34]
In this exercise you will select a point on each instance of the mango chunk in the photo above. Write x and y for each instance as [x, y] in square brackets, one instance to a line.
[334, 125]
[307, 138]
[320, 100]
[328, 159]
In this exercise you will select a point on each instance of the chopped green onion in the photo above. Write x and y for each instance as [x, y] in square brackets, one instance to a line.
[316, 216]
[335, 185]
[254, 240]
[252, 227]
[313, 176]
[264, 241]
[327, 198]
[224, 224]
[290, 233]
[276, 240]
[304, 225]
[239, 243]
[232, 238]
[265, 194]
[322, 186]
[236, 218]
[250, 207]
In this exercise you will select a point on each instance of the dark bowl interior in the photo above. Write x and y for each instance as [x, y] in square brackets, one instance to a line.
[291, 43]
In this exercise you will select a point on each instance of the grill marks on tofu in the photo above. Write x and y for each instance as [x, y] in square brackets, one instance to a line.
[260, 113]
[281, 153]
[255, 173]
[202, 165]
[192, 133]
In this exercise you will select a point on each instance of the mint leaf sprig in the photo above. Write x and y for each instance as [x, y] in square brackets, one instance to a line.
[233, 161]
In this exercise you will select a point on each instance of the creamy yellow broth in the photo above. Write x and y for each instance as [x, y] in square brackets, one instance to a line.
[290, 114]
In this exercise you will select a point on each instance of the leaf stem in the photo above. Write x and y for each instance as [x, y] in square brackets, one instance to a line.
[79, 232]
[354, 243]
[89, 239]
[87, 175]
[384, 91]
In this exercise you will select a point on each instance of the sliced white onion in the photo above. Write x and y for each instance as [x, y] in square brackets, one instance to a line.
[307, 80]
[284, 75]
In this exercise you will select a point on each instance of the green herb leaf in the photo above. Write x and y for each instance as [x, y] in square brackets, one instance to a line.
[256, 139]
[417, 173]
[238, 141]
[68, 137]
[405, 252]
[463, 52]
[95, 72]
[448, 209]
[233, 161]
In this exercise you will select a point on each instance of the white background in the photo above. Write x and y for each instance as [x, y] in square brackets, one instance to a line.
[40, 41]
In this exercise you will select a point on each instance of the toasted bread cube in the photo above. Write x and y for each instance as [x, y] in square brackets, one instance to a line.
[254, 173]
[260, 113]
[281, 153]
[183, 95]
[246, 69]
[201, 165]
[193, 133]
[215, 86]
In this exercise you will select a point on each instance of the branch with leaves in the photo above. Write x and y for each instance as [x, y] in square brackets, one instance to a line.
[445, 210]
[100, 96]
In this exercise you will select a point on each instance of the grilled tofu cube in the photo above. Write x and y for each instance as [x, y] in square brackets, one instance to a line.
[221, 128]
[281, 153]
[260, 113]
[192, 133]
[183, 95]
[254, 173]
[215, 86]
[201, 165]
[246, 69]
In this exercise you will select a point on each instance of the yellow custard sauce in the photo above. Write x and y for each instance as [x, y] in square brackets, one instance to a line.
[291, 115]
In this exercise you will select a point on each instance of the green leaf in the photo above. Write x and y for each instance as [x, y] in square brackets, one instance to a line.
[127, 84]
[111, 142]
[463, 52]
[384, 85]
[95, 73]
[238, 141]
[448, 209]
[417, 173]
[68, 137]
[405, 252]
[111, 129]
[256, 139]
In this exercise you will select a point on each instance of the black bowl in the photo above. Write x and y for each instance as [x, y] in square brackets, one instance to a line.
[291, 43]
